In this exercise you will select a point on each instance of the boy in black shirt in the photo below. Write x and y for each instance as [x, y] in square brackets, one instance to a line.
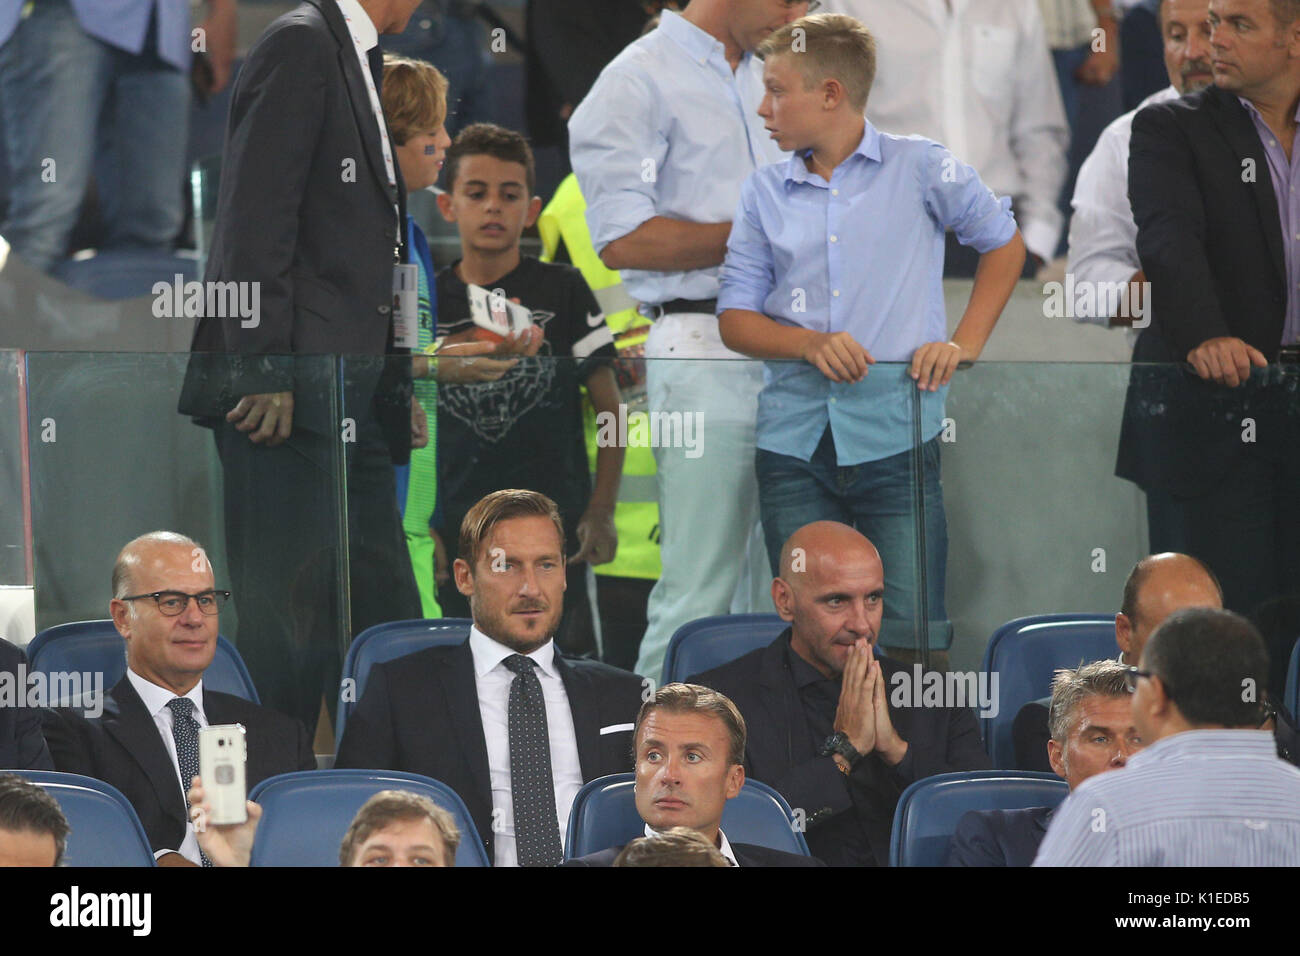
[523, 429]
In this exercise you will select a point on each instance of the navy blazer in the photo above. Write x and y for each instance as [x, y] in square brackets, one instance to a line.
[123, 747]
[747, 854]
[420, 714]
[22, 747]
[999, 837]
[780, 750]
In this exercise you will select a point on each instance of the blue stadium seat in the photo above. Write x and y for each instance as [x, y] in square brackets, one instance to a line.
[604, 815]
[105, 828]
[928, 810]
[713, 641]
[125, 273]
[1025, 653]
[96, 646]
[306, 814]
[1292, 693]
[384, 642]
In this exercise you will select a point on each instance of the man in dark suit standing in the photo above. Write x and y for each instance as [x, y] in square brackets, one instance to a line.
[824, 729]
[21, 745]
[1091, 732]
[310, 223]
[503, 719]
[1214, 188]
[146, 741]
[690, 753]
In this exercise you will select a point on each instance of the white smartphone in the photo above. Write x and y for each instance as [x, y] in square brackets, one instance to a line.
[222, 755]
[495, 313]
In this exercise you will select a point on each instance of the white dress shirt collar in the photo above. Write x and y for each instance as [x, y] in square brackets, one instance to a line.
[489, 653]
[361, 24]
[156, 698]
[724, 845]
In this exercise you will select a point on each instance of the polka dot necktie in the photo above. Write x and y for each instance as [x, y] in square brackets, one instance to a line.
[185, 732]
[532, 790]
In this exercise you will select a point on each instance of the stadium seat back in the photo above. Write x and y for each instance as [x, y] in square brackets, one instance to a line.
[710, 642]
[95, 646]
[928, 811]
[307, 813]
[105, 828]
[386, 642]
[604, 815]
[1025, 654]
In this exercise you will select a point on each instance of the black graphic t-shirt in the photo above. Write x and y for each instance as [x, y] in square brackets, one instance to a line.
[525, 429]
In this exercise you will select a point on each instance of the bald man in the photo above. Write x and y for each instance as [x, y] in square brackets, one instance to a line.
[825, 725]
[165, 605]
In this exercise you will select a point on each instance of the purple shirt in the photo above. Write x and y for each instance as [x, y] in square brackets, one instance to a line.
[1286, 177]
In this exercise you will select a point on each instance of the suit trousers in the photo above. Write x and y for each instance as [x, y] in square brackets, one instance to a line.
[283, 536]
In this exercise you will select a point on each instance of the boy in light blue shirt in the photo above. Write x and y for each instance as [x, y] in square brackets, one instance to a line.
[834, 263]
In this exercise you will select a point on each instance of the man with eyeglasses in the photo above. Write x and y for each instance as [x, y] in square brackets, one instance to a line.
[1209, 788]
[145, 743]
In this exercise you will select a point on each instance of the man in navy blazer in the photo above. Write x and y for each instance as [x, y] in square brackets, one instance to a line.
[690, 753]
[450, 712]
[1091, 732]
[834, 729]
[22, 747]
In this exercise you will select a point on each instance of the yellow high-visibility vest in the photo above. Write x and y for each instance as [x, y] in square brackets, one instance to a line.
[636, 515]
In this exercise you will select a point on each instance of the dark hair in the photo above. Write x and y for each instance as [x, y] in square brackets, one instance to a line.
[1213, 665]
[1142, 570]
[681, 698]
[500, 506]
[488, 139]
[680, 846]
[27, 808]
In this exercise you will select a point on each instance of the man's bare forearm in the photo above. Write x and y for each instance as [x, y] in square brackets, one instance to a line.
[995, 279]
[669, 245]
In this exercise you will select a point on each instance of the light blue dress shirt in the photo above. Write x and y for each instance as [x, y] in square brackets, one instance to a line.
[861, 254]
[123, 24]
[668, 130]
[1198, 798]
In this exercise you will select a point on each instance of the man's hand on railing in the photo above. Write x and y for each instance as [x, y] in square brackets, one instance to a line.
[269, 417]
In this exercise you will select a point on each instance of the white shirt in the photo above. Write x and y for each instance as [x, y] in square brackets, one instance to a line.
[155, 700]
[724, 845]
[492, 680]
[1103, 235]
[366, 38]
[979, 79]
[669, 130]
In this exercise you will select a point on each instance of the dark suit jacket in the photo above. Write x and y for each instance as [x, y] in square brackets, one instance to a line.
[420, 714]
[780, 750]
[123, 747]
[999, 837]
[1210, 243]
[304, 210]
[21, 745]
[747, 854]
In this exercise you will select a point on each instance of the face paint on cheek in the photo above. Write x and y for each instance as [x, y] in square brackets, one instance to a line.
[430, 150]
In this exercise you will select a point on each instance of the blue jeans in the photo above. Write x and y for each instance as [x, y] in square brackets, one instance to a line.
[876, 499]
[71, 104]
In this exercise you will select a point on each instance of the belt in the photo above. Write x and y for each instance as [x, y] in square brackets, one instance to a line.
[708, 306]
[1289, 354]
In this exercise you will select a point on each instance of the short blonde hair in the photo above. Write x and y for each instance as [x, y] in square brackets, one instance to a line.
[828, 46]
[397, 806]
[414, 97]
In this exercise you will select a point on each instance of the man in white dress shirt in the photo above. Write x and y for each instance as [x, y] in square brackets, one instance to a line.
[660, 147]
[1103, 236]
[977, 76]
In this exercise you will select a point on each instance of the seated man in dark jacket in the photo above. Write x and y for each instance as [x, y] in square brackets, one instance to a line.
[21, 745]
[838, 731]
[1091, 732]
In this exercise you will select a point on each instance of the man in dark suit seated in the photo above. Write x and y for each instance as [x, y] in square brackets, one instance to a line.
[690, 754]
[503, 719]
[165, 607]
[21, 745]
[828, 726]
[1158, 585]
[1091, 732]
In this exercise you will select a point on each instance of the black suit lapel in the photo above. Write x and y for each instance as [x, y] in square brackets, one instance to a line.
[1239, 130]
[586, 718]
[127, 721]
[781, 708]
[460, 690]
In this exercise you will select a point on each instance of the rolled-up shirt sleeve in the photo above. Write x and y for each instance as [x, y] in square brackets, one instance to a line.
[617, 155]
[748, 274]
[1103, 235]
[956, 196]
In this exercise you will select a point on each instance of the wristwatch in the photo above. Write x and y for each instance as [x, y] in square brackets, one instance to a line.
[838, 743]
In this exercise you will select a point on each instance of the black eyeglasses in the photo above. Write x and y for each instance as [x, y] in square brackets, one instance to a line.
[1131, 675]
[174, 603]
[812, 4]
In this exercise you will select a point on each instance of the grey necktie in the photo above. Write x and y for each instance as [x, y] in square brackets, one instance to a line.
[185, 732]
[532, 788]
